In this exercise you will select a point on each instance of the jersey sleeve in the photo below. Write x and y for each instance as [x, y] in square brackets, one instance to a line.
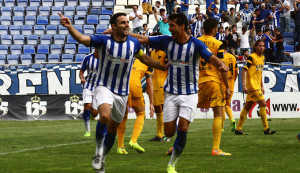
[220, 53]
[137, 47]
[248, 62]
[97, 40]
[149, 71]
[203, 50]
[159, 42]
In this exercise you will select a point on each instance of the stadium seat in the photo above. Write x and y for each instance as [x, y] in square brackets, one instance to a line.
[44, 11]
[101, 28]
[12, 59]
[288, 48]
[79, 57]
[47, 3]
[67, 58]
[35, 3]
[62, 30]
[3, 29]
[53, 58]
[19, 39]
[40, 58]
[18, 20]
[6, 39]
[71, 40]
[16, 49]
[119, 8]
[79, 20]
[84, 3]
[39, 29]
[9, 3]
[3, 49]
[98, 3]
[59, 39]
[69, 10]
[59, 3]
[82, 49]
[51, 29]
[133, 2]
[2, 59]
[92, 20]
[15, 29]
[288, 37]
[42, 20]
[56, 49]
[45, 39]
[32, 39]
[26, 30]
[106, 11]
[71, 17]
[70, 49]
[26, 59]
[6, 11]
[30, 20]
[31, 11]
[73, 3]
[5, 20]
[88, 29]
[95, 11]
[22, 3]
[43, 49]
[104, 19]
[109, 3]
[55, 10]
[19, 11]
[81, 10]
[1, 3]
[54, 20]
[29, 49]
[292, 27]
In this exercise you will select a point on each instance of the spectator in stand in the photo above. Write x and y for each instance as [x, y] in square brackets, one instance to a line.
[223, 5]
[268, 25]
[295, 56]
[189, 31]
[267, 38]
[158, 6]
[184, 6]
[214, 12]
[279, 55]
[264, 14]
[170, 4]
[220, 34]
[160, 17]
[258, 22]
[196, 15]
[145, 32]
[244, 38]
[297, 21]
[232, 17]
[233, 38]
[177, 9]
[244, 56]
[136, 17]
[147, 8]
[233, 52]
[259, 35]
[275, 16]
[257, 3]
[208, 2]
[246, 14]
[197, 25]
[243, 2]
[225, 23]
[163, 24]
[284, 16]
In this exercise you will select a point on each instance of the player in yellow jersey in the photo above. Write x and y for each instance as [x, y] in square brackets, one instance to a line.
[230, 61]
[136, 101]
[213, 83]
[253, 87]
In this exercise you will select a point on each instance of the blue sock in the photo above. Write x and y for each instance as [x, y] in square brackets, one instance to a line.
[86, 115]
[108, 142]
[180, 142]
[101, 130]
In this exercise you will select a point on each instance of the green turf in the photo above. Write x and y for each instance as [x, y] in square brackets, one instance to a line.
[59, 146]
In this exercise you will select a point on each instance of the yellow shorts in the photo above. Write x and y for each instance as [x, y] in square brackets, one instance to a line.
[228, 101]
[136, 97]
[146, 8]
[255, 96]
[158, 97]
[211, 94]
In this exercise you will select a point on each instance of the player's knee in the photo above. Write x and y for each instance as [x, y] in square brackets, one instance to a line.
[169, 133]
[104, 118]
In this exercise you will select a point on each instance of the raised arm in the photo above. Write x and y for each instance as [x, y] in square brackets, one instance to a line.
[155, 15]
[209, 7]
[65, 21]
[142, 38]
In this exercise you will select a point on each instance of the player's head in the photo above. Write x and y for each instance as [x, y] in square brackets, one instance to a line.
[120, 24]
[246, 5]
[210, 26]
[245, 53]
[178, 23]
[225, 45]
[220, 29]
[259, 47]
[145, 26]
[267, 31]
[259, 32]
[135, 8]
[162, 12]
[274, 7]
[231, 10]
[197, 9]
[225, 18]
[216, 10]
[276, 31]
[233, 28]
[157, 4]
[244, 29]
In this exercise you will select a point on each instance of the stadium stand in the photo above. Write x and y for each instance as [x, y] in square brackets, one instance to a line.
[53, 58]
[89, 29]
[69, 10]
[81, 10]
[44, 11]
[3, 49]
[32, 39]
[78, 57]
[104, 19]
[42, 20]
[22, 3]
[95, 11]
[55, 10]
[54, 20]
[9, 3]
[5, 20]
[62, 30]
[47, 3]
[19, 11]
[6, 39]
[92, 19]
[96, 3]
[71, 40]
[2, 59]
[46, 39]
[84, 3]
[70, 49]
[39, 29]
[12, 59]
[79, 19]
[101, 28]
[59, 3]
[40, 58]
[82, 49]
[73, 3]
[30, 20]
[31, 11]
[51, 29]
[43, 49]
[35, 3]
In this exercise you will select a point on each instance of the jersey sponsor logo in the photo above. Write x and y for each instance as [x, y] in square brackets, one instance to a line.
[74, 106]
[117, 59]
[35, 107]
[180, 63]
[260, 67]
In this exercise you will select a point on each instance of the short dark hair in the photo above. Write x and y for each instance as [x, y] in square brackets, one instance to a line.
[231, 8]
[180, 19]
[157, 2]
[161, 10]
[156, 33]
[258, 30]
[244, 51]
[257, 10]
[298, 47]
[209, 25]
[267, 29]
[113, 18]
[225, 18]
[225, 46]
[145, 24]
[244, 28]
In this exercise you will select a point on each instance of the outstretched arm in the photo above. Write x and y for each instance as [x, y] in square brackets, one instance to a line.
[142, 38]
[145, 59]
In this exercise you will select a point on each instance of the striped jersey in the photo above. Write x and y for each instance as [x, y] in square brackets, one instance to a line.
[275, 18]
[183, 72]
[220, 36]
[246, 15]
[115, 62]
[267, 40]
[257, 37]
[91, 65]
[197, 28]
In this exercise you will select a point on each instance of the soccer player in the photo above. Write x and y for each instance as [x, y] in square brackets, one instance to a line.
[213, 83]
[183, 52]
[137, 102]
[253, 87]
[115, 62]
[89, 63]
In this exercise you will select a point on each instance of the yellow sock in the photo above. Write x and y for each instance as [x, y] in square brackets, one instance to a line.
[138, 126]
[243, 117]
[263, 116]
[121, 131]
[223, 118]
[217, 132]
[159, 125]
[229, 113]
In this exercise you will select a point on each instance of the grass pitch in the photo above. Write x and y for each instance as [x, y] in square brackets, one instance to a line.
[59, 146]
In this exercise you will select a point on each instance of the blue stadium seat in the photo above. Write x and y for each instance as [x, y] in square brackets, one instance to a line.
[51, 29]
[62, 30]
[71, 40]
[30, 20]
[82, 49]
[6, 39]
[101, 28]
[95, 11]
[59, 39]
[106, 11]
[3, 29]
[39, 29]
[35, 3]
[288, 37]
[43, 49]
[3, 49]
[19, 11]
[59, 3]
[109, 3]
[29, 49]
[97, 3]
[79, 28]
[81, 10]
[71, 17]
[15, 29]
[6, 11]
[54, 20]
[31, 11]
[84, 3]
[40, 58]
[45, 39]
[26, 59]
[288, 48]
[22, 3]
[79, 57]
[56, 49]
[104, 19]
[44, 11]
[18, 20]
[12, 59]
[79, 20]
[2, 59]
[92, 19]
[42, 20]
[32, 39]
[55, 10]
[67, 58]
[292, 27]
[70, 48]
[69, 10]
[1, 3]
[16, 49]
[73, 3]
[53, 58]
[88, 29]
[27, 30]
[19, 39]
[9, 3]
[5, 20]
[47, 3]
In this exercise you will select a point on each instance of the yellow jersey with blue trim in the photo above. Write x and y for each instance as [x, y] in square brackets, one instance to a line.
[159, 76]
[254, 66]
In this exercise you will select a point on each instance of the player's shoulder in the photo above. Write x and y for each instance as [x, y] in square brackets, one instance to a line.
[91, 55]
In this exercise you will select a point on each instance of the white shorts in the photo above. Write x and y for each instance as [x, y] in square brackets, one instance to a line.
[180, 106]
[117, 102]
[94, 104]
[87, 96]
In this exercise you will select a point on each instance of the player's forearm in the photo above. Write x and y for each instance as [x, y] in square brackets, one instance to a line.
[142, 38]
[225, 78]
[244, 72]
[145, 59]
[149, 88]
[81, 74]
[86, 40]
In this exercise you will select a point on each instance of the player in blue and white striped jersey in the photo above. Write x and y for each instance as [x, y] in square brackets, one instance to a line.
[246, 15]
[116, 54]
[90, 64]
[181, 85]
